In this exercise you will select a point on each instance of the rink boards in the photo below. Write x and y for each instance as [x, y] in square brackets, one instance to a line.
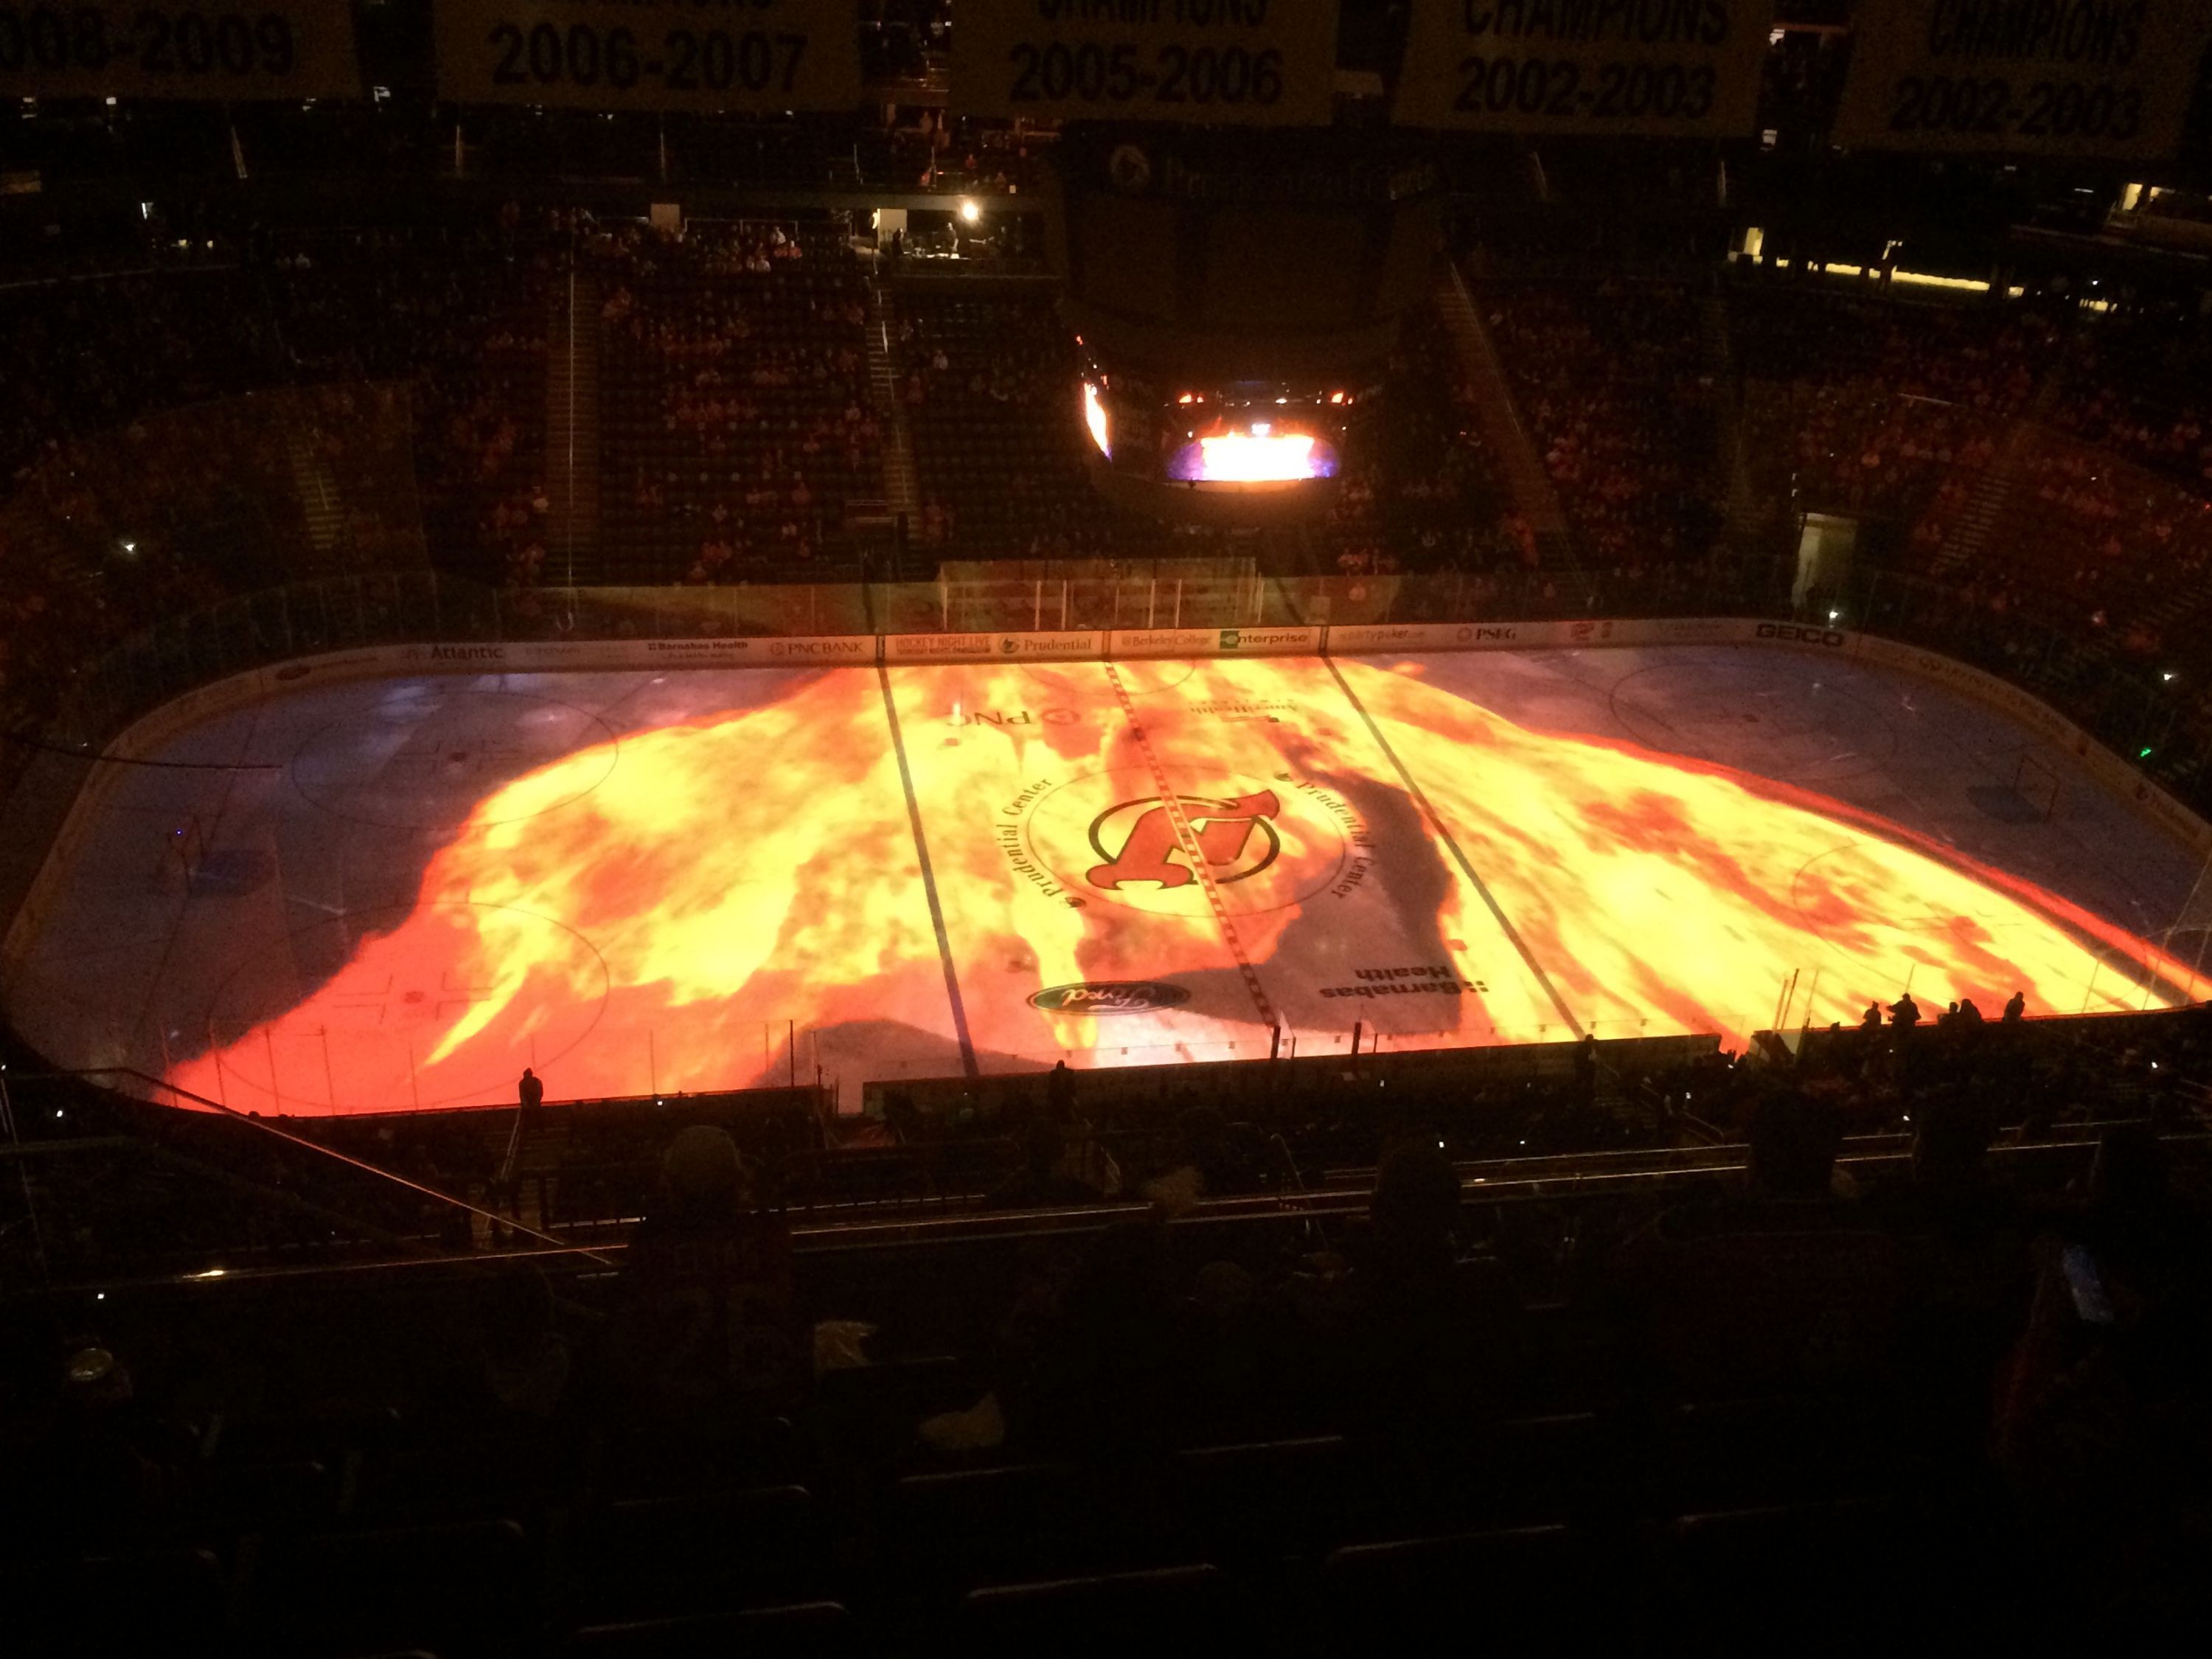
[410, 873]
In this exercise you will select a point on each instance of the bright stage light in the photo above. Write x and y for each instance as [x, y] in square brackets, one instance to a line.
[1094, 416]
[970, 212]
[1259, 456]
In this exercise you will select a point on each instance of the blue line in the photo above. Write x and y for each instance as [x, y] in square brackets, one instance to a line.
[929, 882]
[1444, 834]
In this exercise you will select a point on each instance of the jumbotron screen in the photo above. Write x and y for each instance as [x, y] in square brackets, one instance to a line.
[1232, 440]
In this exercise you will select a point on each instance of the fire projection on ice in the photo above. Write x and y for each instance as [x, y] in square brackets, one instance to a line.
[1266, 846]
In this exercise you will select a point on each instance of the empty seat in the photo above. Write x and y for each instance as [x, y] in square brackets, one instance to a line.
[968, 1527]
[1264, 1499]
[1162, 1607]
[1396, 1595]
[166, 1600]
[1734, 1579]
[806, 1628]
[1743, 1453]
[654, 1558]
[457, 1588]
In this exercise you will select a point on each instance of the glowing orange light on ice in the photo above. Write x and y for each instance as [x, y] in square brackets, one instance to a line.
[761, 866]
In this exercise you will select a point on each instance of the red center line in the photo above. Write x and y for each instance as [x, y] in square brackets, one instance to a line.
[1187, 840]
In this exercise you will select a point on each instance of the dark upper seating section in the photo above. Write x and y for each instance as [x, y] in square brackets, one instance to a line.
[988, 377]
[1614, 392]
[737, 423]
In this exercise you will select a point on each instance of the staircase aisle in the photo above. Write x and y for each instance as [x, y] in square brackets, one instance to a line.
[1967, 538]
[1526, 480]
[1729, 484]
[902, 479]
[318, 493]
[572, 437]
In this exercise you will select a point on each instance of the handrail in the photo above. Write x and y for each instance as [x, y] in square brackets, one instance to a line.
[267, 1127]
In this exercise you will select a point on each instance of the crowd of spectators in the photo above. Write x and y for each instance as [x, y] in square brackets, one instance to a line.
[460, 315]
[1418, 491]
[988, 381]
[737, 427]
[1613, 386]
[2137, 386]
[1929, 1281]
[1880, 409]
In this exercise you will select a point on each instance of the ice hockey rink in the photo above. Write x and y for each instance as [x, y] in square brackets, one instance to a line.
[392, 894]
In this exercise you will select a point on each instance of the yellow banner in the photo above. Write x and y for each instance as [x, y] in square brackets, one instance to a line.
[2046, 77]
[704, 55]
[125, 49]
[1249, 63]
[1685, 69]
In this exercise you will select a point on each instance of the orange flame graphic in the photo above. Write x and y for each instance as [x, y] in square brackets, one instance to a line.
[1397, 856]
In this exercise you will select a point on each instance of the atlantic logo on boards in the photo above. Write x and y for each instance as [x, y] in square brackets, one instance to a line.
[468, 653]
[1792, 634]
[1119, 996]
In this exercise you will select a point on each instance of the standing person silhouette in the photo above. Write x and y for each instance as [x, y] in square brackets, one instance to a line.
[1059, 1094]
[530, 1094]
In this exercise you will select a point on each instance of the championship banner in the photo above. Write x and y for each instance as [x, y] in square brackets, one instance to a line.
[705, 55]
[2046, 77]
[252, 49]
[1252, 62]
[1678, 68]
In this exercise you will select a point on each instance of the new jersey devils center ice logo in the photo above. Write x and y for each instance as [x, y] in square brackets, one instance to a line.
[1235, 836]
[1199, 839]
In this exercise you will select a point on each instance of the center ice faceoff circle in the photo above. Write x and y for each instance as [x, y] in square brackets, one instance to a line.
[1261, 843]
[791, 874]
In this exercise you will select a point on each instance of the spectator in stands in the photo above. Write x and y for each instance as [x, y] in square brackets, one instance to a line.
[523, 1358]
[1060, 1093]
[1042, 1182]
[1102, 1380]
[708, 1323]
[1904, 1013]
[2101, 1421]
[1437, 1343]
[2016, 1008]
[1781, 1286]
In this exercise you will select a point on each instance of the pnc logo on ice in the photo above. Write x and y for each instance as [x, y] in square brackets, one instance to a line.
[1235, 836]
